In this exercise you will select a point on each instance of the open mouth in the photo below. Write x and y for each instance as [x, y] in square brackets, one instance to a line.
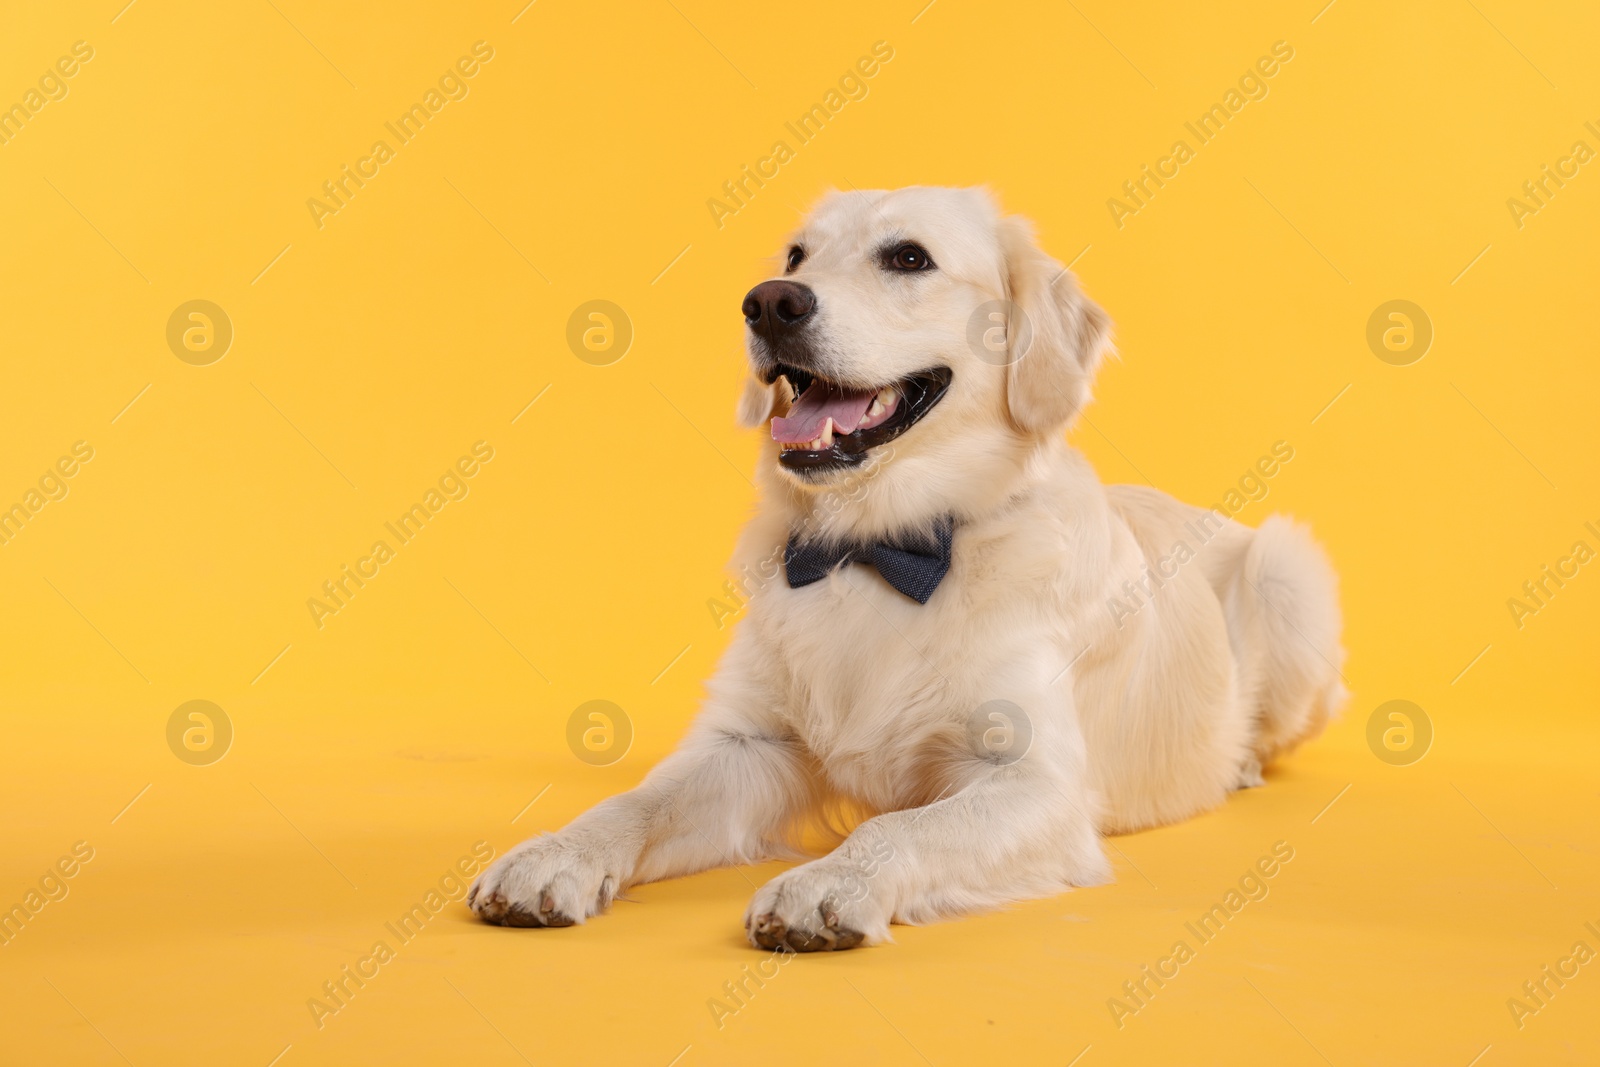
[834, 425]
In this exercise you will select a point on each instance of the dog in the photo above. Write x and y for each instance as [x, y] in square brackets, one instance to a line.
[939, 635]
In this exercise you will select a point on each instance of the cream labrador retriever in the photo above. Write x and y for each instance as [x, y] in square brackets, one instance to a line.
[939, 632]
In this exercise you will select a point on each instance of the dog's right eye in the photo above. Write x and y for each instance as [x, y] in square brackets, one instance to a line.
[797, 256]
[908, 257]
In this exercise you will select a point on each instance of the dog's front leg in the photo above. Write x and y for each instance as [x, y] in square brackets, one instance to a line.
[721, 799]
[1004, 832]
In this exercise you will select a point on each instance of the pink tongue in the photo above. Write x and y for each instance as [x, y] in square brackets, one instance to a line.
[820, 400]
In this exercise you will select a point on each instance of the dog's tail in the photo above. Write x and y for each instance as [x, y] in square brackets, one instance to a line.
[1289, 605]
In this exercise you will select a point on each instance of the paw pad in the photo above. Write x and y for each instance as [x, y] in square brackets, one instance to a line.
[770, 932]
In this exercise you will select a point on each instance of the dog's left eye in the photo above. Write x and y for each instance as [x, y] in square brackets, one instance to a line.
[797, 256]
[909, 257]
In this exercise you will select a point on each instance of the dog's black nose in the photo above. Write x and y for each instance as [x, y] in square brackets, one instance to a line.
[776, 306]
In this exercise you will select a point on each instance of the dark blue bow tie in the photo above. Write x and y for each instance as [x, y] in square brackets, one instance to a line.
[914, 563]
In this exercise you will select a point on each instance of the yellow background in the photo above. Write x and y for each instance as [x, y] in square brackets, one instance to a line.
[427, 314]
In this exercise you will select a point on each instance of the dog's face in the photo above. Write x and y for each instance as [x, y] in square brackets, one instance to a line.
[919, 317]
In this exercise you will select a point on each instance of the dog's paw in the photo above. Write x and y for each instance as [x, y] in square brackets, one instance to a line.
[1250, 774]
[822, 906]
[543, 882]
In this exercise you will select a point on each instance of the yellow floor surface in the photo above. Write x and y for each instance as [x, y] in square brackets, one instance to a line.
[217, 906]
[231, 364]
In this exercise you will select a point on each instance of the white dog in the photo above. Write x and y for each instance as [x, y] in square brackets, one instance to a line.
[938, 633]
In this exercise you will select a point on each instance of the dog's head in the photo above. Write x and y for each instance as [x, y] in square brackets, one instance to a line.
[920, 317]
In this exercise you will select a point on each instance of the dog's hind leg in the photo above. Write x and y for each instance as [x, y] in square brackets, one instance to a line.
[1250, 773]
[1283, 617]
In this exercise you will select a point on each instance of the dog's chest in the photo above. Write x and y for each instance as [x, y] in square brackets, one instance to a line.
[872, 674]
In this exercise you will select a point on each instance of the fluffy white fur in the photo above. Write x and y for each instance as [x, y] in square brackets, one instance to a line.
[847, 693]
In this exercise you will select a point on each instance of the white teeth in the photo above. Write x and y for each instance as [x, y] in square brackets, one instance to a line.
[816, 444]
[881, 402]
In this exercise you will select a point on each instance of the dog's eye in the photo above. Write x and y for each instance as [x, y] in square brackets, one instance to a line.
[797, 256]
[909, 257]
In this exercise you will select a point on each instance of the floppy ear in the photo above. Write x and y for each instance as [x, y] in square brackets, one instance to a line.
[756, 402]
[1060, 342]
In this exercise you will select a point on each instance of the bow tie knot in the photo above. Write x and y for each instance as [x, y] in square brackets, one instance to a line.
[914, 562]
